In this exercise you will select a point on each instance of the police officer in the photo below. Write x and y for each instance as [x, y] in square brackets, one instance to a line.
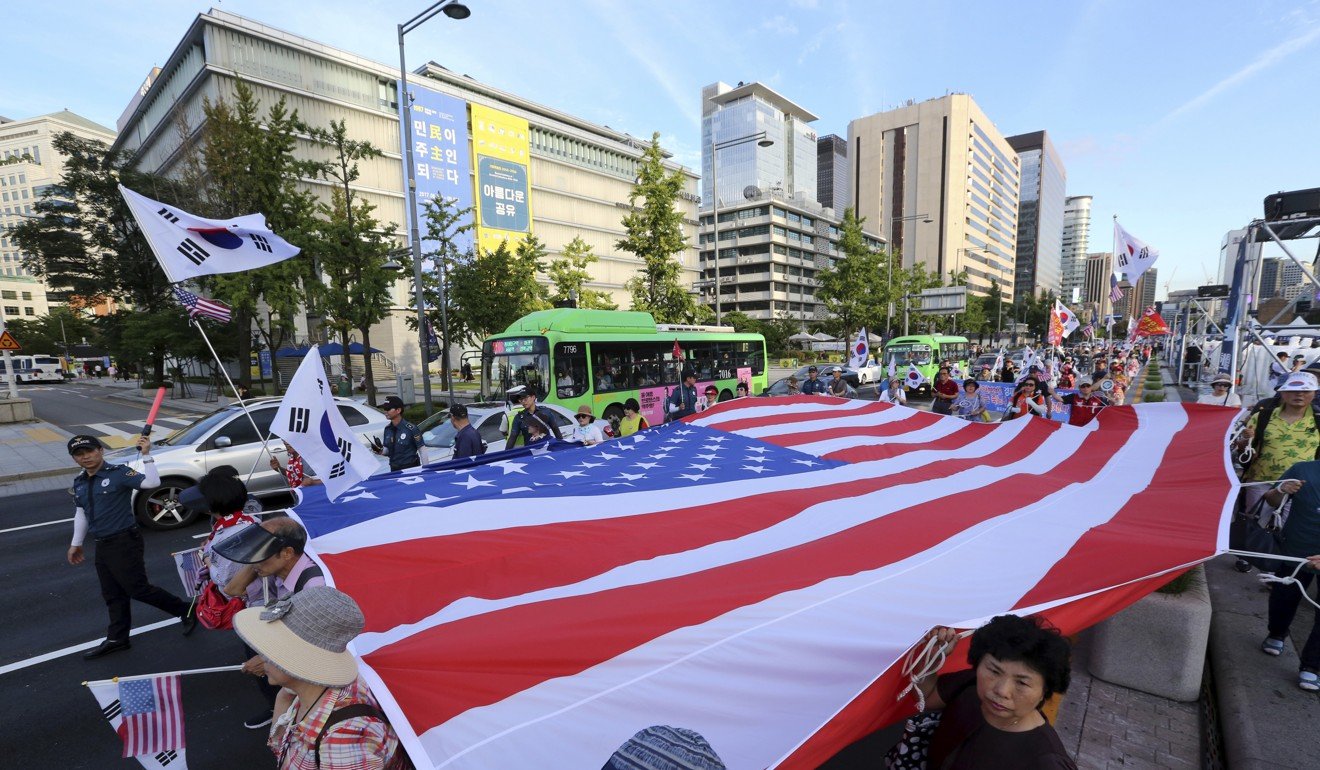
[103, 507]
[401, 442]
[526, 398]
[683, 401]
[814, 386]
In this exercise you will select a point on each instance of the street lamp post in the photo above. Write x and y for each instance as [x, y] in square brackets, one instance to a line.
[761, 141]
[454, 10]
[889, 267]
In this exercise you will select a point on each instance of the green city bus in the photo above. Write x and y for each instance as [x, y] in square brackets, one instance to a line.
[926, 351]
[603, 358]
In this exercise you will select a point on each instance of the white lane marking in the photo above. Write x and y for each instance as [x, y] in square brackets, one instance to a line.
[105, 429]
[15, 666]
[30, 526]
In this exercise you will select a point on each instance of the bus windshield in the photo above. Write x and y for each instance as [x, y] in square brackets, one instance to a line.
[909, 353]
[515, 361]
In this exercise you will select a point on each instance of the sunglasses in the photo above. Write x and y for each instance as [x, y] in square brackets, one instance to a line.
[584, 417]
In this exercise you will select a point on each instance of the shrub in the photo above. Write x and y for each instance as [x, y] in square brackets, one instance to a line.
[1178, 584]
[1152, 397]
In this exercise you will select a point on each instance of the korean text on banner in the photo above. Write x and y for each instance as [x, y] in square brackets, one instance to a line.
[437, 135]
[504, 185]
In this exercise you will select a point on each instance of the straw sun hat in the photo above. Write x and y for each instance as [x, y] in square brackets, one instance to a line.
[306, 634]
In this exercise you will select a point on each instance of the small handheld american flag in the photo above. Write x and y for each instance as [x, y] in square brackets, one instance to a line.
[201, 306]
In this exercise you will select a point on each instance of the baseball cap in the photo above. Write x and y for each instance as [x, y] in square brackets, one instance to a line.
[458, 410]
[837, 370]
[392, 402]
[1082, 382]
[1299, 381]
[79, 443]
[1222, 378]
[812, 369]
[516, 392]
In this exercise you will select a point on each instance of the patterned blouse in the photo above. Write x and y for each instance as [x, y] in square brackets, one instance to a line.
[360, 743]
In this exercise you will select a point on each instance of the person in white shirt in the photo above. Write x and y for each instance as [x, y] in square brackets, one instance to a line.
[586, 430]
[894, 393]
[1219, 394]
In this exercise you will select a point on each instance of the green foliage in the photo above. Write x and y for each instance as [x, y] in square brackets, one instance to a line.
[44, 333]
[244, 163]
[776, 331]
[655, 236]
[83, 237]
[352, 245]
[443, 224]
[497, 288]
[855, 288]
[568, 275]
[1179, 584]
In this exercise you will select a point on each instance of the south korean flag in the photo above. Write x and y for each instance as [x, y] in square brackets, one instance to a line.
[189, 246]
[309, 420]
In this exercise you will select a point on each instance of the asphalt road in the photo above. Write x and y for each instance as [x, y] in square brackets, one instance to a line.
[81, 408]
[50, 720]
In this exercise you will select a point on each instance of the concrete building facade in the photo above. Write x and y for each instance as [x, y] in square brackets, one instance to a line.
[832, 172]
[771, 248]
[942, 160]
[1099, 267]
[1076, 242]
[580, 174]
[1039, 265]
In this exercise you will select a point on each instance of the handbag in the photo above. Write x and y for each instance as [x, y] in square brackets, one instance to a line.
[1262, 526]
[913, 747]
[214, 610]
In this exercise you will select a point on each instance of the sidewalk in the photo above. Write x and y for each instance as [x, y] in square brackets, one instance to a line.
[129, 391]
[33, 456]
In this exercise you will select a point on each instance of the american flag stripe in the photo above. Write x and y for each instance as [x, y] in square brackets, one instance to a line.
[598, 635]
[571, 619]
[157, 730]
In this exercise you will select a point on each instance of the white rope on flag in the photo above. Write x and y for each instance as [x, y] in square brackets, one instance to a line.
[923, 661]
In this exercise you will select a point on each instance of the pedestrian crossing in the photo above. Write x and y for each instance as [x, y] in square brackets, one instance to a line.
[123, 433]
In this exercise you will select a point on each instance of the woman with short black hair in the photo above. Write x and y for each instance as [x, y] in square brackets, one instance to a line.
[991, 714]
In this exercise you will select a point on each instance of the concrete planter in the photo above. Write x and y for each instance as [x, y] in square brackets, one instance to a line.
[1157, 645]
[15, 410]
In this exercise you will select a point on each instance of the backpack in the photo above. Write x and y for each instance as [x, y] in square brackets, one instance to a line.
[1265, 410]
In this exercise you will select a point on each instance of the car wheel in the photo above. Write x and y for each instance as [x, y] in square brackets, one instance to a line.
[159, 508]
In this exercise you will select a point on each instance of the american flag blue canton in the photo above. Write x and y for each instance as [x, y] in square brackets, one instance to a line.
[136, 696]
[673, 456]
[201, 306]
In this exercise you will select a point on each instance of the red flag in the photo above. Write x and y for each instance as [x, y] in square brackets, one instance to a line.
[1151, 324]
[678, 351]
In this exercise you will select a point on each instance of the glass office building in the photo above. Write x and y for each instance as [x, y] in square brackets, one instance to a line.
[1038, 267]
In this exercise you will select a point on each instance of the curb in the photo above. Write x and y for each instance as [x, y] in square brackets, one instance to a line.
[29, 475]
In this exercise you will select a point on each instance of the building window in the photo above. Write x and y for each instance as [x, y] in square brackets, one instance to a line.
[29, 311]
[11, 310]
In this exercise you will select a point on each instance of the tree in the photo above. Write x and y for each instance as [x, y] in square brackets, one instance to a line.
[353, 248]
[445, 225]
[48, 332]
[568, 275]
[655, 236]
[972, 321]
[994, 306]
[497, 288]
[244, 163]
[851, 286]
[84, 238]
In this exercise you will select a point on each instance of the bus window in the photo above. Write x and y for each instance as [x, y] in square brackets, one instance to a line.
[516, 361]
[611, 366]
[570, 369]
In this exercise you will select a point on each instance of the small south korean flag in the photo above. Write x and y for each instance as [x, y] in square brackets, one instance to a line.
[915, 378]
[310, 421]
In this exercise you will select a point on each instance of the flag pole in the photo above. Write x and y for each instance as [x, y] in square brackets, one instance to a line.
[117, 679]
[197, 323]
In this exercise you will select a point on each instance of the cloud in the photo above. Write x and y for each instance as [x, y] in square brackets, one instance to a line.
[641, 46]
[817, 40]
[1262, 62]
[780, 25]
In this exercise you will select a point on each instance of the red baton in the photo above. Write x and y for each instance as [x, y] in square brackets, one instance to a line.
[155, 407]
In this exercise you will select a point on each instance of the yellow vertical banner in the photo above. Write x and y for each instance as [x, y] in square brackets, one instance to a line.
[503, 195]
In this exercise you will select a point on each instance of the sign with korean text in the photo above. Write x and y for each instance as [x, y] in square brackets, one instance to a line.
[436, 133]
[500, 143]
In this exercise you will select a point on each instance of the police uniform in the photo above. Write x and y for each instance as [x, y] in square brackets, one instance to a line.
[106, 499]
[402, 443]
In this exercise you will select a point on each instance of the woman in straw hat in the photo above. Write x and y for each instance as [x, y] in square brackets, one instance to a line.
[1219, 393]
[325, 716]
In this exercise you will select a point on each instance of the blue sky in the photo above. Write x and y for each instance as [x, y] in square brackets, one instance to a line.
[1179, 117]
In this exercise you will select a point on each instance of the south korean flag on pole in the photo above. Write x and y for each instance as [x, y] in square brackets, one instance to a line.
[861, 351]
[915, 378]
[188, 246]
[309, 420]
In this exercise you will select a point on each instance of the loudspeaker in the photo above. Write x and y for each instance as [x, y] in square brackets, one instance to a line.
[1298, 203]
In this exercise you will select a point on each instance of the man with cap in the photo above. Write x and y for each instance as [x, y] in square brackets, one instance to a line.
[103, 507]
[467, 441]
[1219, 394]
[522, 421]
[326, 716]
[814, 386]
[837, 386]
[1279, 433]
[401, 442]
[1085, 404]
[274, 552]
[683, 400]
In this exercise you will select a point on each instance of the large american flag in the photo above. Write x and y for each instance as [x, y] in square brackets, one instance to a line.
[201, 306]
[754, 573]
